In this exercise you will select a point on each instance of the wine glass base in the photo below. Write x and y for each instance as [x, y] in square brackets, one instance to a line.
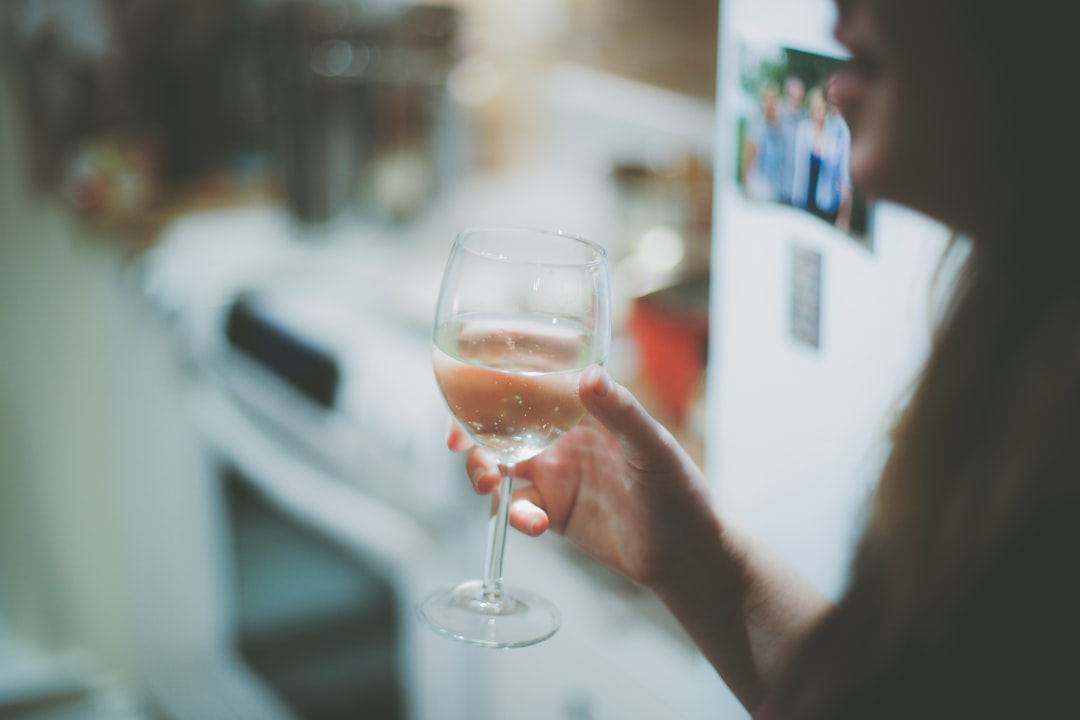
[514, 617]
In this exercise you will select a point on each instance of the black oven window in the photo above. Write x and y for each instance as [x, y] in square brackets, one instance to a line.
[315, 621]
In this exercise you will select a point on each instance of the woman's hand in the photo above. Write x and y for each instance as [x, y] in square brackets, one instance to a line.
[622, 489]
[618, 485]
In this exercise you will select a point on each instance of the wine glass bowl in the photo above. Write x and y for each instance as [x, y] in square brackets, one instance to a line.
[521, 313]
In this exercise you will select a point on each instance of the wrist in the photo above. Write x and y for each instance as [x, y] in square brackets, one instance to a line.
[699, 556]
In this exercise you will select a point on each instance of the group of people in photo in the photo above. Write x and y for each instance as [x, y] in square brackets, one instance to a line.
[796, 152]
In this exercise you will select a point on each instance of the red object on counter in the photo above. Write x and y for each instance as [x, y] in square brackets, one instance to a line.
[671, 327]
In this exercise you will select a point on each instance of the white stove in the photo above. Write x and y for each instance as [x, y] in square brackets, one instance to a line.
[333, 500]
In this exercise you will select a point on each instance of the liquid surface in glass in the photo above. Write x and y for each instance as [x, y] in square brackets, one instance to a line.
[511, 380]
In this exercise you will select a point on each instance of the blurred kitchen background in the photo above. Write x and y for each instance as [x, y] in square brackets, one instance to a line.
[223, 480]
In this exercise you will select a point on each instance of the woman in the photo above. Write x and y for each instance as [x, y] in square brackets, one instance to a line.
[965, 593]
[764, 158]
[822, 184]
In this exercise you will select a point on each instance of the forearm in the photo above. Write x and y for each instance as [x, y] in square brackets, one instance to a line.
[745, 606]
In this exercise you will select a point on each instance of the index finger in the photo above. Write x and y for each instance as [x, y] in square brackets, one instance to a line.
[642, 438]
[456, 439]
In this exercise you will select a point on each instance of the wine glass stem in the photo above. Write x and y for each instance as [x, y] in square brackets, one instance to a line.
[496, 542]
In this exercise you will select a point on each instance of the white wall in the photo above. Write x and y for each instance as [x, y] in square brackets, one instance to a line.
[51, 448]
[94, 449]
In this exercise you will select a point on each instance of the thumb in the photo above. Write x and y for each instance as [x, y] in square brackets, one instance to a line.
[644, 440]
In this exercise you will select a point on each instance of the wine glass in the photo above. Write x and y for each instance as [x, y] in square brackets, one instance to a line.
[520, 314]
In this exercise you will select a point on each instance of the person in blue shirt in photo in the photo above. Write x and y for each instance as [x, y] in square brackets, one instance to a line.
[822, 181]
[765, 154]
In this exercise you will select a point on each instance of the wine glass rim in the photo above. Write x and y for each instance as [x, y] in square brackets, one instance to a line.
[599, 250]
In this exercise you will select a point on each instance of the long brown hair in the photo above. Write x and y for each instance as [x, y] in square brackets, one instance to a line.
[965, 593]
[964, 598]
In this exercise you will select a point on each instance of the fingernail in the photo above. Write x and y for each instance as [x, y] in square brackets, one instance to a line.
[532, 514]
[475, 477]
[603, 384]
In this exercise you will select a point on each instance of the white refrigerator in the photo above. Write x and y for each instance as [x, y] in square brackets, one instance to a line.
[816, 332]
